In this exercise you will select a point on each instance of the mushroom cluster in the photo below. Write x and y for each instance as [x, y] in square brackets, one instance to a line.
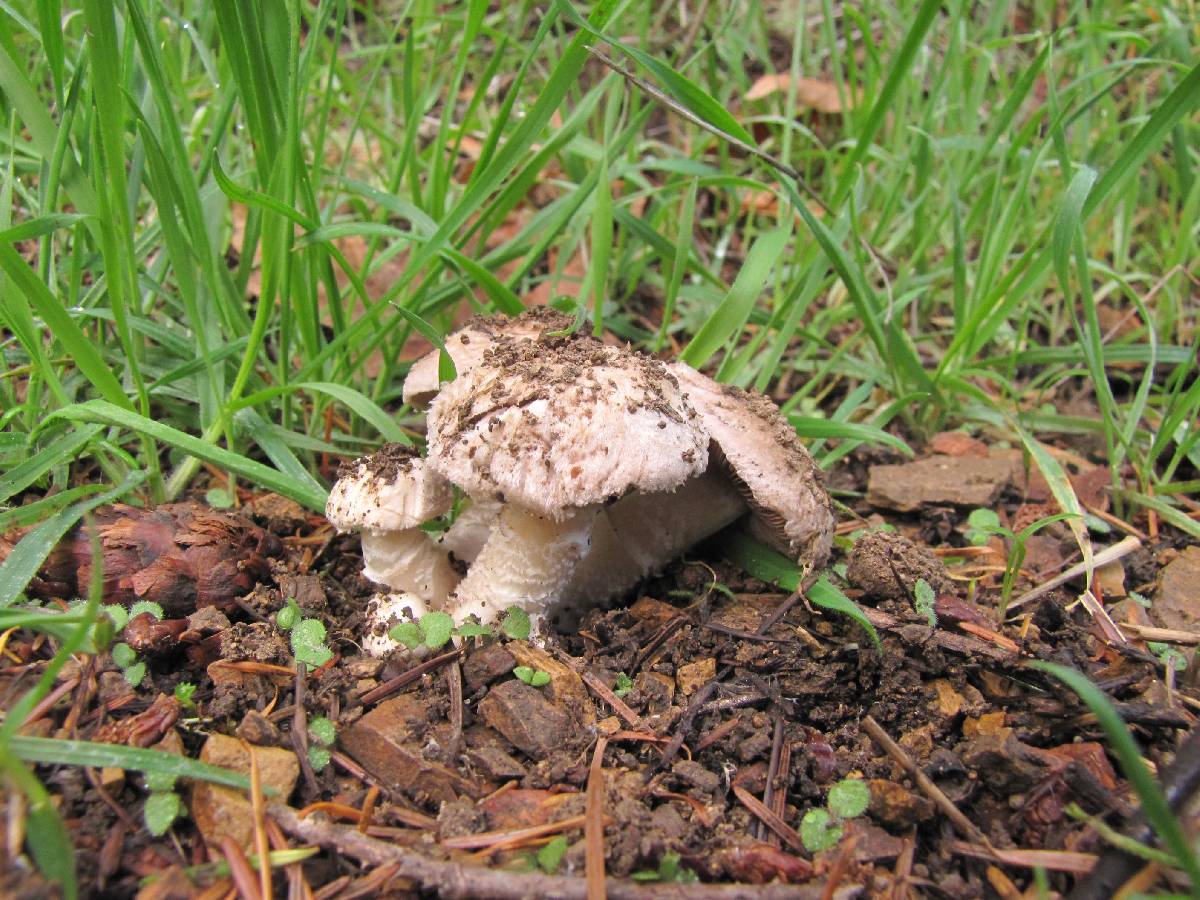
[585, 467]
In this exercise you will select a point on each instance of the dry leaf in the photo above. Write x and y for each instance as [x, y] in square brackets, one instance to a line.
[811, 92]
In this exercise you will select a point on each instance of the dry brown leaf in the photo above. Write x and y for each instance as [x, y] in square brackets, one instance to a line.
[811, 92]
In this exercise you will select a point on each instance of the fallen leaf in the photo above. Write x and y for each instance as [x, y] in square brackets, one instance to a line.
[811, 92]
[956, 443]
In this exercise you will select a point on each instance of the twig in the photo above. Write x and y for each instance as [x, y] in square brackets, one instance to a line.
[743, 635]
[1052, 860]
[701, 698]
[768, 792]
[605, 693]
[497, 840]
[840, 864]
[262, 844]
[949, 640]
[593, 831]
[297, 885]
[964, 825]
[903, 870]
[1109, 554]
[300, 730]
[392, 685]
[239, 869]
[1165, 635]
[455, 687]
[716, 734]
[655, 642]
[452, 879]
[768, 817]
[778, 804]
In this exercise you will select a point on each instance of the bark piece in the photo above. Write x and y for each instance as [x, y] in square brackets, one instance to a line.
[1177, 603]
[387, 742]
[964, 481]
[526, 718]
[224, 812]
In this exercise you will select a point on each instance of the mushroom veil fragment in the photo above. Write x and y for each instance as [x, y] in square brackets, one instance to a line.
[586, 467]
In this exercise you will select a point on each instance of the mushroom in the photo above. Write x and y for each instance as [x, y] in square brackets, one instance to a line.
[387, 496]
[586, 468]
[552, 429]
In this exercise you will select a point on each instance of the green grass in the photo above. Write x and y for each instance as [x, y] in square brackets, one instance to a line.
[1004, 190]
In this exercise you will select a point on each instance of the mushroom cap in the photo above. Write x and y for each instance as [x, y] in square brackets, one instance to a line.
[761, 450]
[467, 346]
[390, 490]
[556, 423]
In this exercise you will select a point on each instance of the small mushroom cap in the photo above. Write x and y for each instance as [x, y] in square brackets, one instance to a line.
[467, 346]
[763, 453]
[556, 423]
[391, 490]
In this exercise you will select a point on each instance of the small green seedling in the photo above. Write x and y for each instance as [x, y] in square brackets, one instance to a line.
[434, 629]
[549, 858]
[184, 692]
[981, 525]
[532, 677]
[822, 828]
[1168, 655]
[515, 624]
[322, 734]
[623, 685]
[218, 498]
[924, 601]
[307, 635]
[124, 656]
[289, 615]
[308, 643]
[669, 870]
[163, 806]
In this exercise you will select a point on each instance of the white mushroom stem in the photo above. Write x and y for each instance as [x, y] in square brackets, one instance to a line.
[383, 612]
[641, 533]
[408, 560]
[526, 562]
[466, 537]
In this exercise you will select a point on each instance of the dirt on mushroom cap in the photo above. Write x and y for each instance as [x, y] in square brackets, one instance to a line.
[392, 489]
[385, 463]
[468, 345]
[565, 421]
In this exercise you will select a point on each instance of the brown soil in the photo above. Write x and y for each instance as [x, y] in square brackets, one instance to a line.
[715, 712]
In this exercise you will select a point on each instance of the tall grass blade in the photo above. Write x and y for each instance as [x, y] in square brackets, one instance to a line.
[727, 321]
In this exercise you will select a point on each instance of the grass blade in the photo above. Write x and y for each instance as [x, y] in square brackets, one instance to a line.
[106, 413]
[767, 565]
[50, 751]
[63, 449]
[1154, 802]
[730, 317]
